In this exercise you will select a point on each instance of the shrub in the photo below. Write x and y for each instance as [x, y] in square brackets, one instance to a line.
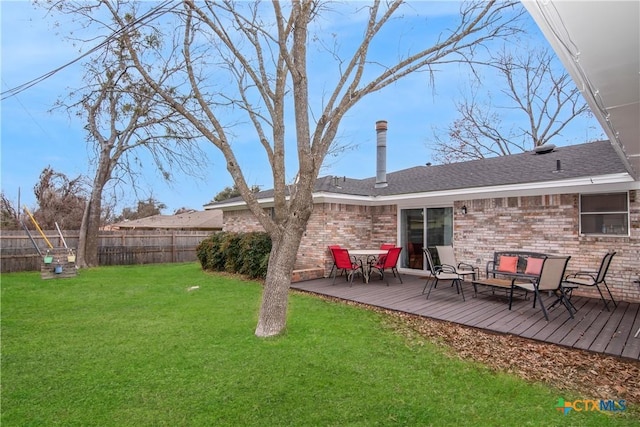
[256, 248]
[233, 252]
[209, 252]
[242, 253]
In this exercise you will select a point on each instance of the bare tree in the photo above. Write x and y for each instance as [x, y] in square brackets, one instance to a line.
[9, 216]
[538, 101]
[251, 58]
[127, 122]
[60, 200]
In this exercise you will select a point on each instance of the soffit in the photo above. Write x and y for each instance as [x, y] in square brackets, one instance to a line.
[599, 44]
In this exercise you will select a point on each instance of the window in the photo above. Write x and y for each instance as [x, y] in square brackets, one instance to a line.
[604, 214]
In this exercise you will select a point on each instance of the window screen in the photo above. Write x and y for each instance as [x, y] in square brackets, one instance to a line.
[604, 214]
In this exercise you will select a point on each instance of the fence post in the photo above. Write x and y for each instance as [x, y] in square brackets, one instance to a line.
[173, 246]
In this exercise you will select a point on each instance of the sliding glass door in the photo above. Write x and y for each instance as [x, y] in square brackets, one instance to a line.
[413, 235]
[424, 228]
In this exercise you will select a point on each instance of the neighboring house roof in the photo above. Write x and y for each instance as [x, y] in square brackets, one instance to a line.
[194, 220]
[589, 160]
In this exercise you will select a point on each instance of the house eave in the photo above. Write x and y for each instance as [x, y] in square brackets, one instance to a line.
[602, 183]
[591, 184]
[239, 205]
[602, 60]
[617, 182]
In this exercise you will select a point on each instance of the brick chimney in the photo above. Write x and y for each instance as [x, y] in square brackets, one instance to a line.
[381, 158]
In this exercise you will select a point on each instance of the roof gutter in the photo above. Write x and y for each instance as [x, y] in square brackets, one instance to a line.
[610, 182]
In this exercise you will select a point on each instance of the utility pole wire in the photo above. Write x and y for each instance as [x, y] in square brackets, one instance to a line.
[153, 13]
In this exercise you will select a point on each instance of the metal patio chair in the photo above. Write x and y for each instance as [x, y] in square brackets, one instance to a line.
[387, 262]
[550, 280]
[344, 262]
[441, 272]
[593, 278]
[448, 257]
[331, 247]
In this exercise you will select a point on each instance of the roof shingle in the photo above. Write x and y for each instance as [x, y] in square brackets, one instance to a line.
[574, 161]
[194, 220]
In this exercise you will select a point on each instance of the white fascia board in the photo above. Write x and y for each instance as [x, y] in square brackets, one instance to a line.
[595, 184]
[239, 205]
[603, 183]
[614, 182]
[327, 197]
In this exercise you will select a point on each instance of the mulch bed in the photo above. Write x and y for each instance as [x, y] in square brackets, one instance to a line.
[590, 375]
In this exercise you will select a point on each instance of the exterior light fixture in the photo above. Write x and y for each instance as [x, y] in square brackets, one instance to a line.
[464, 209]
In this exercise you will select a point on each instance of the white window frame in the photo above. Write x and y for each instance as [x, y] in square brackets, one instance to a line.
[604, 231]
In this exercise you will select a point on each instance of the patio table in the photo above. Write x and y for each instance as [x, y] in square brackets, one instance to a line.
[506, 284]
[363, 255]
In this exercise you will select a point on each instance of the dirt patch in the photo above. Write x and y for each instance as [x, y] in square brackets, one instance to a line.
[592, 375]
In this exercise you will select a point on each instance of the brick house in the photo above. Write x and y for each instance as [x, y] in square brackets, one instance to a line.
[576, 200]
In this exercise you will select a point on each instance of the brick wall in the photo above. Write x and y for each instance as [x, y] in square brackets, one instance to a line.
[547, 224]
[350, 226]
[240, 222]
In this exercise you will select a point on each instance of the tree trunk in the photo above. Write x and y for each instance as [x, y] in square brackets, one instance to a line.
[82, 238]
[92, 236]
[89, 230]
[273, 310]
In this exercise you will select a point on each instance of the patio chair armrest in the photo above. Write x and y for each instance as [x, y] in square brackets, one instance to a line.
[466, 266]
[489, 268]
[591, 274]
[445, 268]
[437, 269]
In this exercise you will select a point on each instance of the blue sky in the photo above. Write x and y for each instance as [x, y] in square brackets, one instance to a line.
[33, 138]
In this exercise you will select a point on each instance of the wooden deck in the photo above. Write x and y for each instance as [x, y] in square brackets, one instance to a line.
[592, 329]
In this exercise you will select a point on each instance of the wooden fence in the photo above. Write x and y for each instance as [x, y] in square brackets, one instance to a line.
[122, 247]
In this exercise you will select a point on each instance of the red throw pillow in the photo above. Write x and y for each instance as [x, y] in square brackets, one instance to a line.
[534, 266]
[508, 264]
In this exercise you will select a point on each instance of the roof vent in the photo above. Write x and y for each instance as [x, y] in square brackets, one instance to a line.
[544, 148]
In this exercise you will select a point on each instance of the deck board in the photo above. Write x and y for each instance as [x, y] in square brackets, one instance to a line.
[593, 328]
[632, 346]
[622, 331]
[586, 315]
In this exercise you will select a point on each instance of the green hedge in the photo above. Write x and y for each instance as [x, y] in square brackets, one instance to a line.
[242, 253]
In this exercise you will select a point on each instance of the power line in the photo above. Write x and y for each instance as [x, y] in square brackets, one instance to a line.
[30, 115]
[145, 18]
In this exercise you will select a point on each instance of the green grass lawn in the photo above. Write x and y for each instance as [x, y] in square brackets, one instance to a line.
[131, 346]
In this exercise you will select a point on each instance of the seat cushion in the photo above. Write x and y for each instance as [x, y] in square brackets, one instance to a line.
[447, 276]
[525, 285]
[534, 266]
[585, 281]
[508, 264]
